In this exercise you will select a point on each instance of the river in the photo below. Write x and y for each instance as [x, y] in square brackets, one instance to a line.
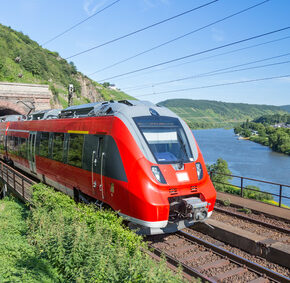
[246, 158]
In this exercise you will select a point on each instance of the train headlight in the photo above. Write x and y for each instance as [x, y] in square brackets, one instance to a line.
[158, 175]
[199, 171]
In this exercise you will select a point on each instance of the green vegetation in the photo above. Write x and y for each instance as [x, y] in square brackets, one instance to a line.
[285, 108]
[21, 55]
[222, 184]
[278, 139]
[24, 60]
[214, 114]
[245, 210]
[20, 261]
[273, 119]
[61, 241]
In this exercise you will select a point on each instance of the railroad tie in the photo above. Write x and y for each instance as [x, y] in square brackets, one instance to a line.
[259, 280]
[195, 256]
[222, 276]
[182, 249]
[214, 264]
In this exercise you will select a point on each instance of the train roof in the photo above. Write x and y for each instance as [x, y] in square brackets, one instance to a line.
[128, 108]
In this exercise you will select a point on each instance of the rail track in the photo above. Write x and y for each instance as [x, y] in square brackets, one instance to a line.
[199, 258]
[254, 220]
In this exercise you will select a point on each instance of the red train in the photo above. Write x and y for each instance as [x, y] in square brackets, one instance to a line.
[138, 158]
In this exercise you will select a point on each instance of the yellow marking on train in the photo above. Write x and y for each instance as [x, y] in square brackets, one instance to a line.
[77, 132]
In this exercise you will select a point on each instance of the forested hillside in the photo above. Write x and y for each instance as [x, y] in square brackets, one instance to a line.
[269, 130]
[286, 107]
[215, 114]
[24, 60]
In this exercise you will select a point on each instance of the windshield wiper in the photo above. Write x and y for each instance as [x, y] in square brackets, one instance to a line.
[180, 163]
[183, 148]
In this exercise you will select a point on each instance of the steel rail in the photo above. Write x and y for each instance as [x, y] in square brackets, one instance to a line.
[185, 268]
[252, 266]
[259, 222]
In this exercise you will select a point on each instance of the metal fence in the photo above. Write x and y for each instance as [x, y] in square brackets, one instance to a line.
[241, 185]
[14, 181]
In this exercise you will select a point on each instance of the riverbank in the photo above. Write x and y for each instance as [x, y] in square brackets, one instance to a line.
[246, 158]
[276, 138]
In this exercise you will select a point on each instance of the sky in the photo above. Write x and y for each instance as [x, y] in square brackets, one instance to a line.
[42, 20]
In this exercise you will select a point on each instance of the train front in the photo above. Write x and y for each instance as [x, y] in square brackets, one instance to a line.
[169, 187]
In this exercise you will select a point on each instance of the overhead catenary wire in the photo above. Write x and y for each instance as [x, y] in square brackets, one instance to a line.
[207, 73]
[197, 53]
[180, 37]
[215, 85]
[239, 70]
[207, 57]
[79, 23]
[142, 29]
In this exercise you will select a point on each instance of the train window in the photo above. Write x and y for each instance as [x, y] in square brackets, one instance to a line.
[15, 144]
[43, 146]
[57, 147]
[75, 150]
[22, 148]
[90, 148]
[10, 143]
[2, 142]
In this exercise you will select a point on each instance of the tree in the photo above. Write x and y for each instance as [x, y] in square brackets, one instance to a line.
[73, 68]
[221, 180]
[106, 84]
[247, 133]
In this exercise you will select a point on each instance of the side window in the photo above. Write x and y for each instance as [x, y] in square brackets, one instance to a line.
[15, 139]
[1, 142]
[75, 150]
[22, 147]
[57, 147]
[90, 146]
[10, 143]
[43, 145]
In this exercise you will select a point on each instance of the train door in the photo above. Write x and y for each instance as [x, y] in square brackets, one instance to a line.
[98, 159]
[31, 151]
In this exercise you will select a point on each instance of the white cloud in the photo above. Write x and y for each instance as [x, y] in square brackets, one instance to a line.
[91, 6]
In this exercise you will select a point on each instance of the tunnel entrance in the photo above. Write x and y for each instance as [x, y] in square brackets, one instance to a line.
[4, 112]
[10, 108]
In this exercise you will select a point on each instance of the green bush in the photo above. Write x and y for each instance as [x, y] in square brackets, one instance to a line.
[248, 193]
[86, 245]
[20, 261]
[222, 184]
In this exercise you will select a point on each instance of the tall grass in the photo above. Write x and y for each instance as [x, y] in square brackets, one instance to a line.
[86, 245]
[19, 260]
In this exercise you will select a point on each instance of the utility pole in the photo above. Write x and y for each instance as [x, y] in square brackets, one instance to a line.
[70, 94]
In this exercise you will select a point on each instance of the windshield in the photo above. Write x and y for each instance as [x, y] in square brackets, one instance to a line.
[165, 138]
